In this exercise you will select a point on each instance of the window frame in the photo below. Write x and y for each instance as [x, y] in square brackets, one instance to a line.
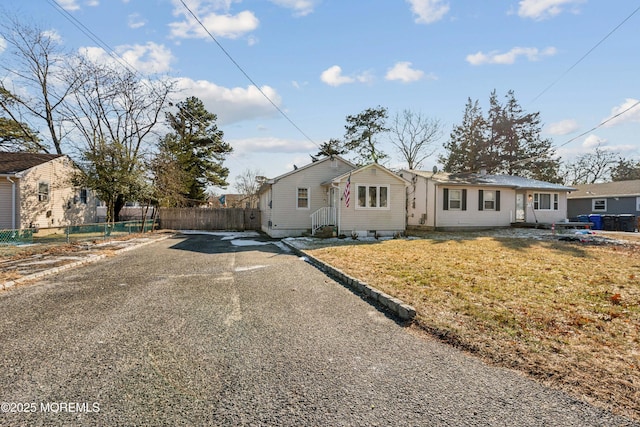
[595, 201]
[43, 196]
[453, 199]
[377, 204]
[553, 202]
[307, 198]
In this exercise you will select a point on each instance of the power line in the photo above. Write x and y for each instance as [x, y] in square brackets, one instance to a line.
[247, 75]
[585, 55]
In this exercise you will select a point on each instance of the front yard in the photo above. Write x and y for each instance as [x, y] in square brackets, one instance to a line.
[566, 313]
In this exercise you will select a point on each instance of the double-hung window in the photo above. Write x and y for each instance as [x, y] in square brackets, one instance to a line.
[43, 191]
[489, 200]
[302, 198]
[373, 197]
[454, 199]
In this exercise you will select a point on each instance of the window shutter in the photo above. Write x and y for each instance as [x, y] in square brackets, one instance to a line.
[498, 200]
[480, 200]
[446, 199]
[464, 199]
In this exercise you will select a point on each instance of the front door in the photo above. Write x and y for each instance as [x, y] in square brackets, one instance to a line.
[520, 207]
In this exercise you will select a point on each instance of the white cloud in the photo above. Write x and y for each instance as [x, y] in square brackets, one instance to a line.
[563, 127]
[69, 5]
[271, 145]
[300, 7]
[543, 9]
[147, 58]
[231, 105]
[428, 11]
[136, 21]
[494, 57]
[218, 24]
[593, 141]
[73, 5]
[629, 111]
[333, 77]
[402, 71]
[52, 35]
[3, 44]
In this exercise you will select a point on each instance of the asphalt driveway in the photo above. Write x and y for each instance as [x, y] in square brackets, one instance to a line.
[232, 330]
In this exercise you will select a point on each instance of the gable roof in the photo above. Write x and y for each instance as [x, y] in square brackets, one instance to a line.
[608, 189]
[310, 165]
[339, 178]
[13, 163]
[484, 180]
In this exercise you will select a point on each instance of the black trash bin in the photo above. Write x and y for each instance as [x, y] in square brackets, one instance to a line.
[627, 222]
[608, 222]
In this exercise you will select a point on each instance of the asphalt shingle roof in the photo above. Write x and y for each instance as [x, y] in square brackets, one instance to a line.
[478, 179]
[11, 163]
[608, 189]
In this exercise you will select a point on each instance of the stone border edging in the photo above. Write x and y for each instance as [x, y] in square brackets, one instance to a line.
[89, 259]
[398, 307]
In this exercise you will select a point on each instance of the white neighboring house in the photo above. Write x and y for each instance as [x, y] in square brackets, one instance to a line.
[443, 201]
[312, 197]
[36, 192]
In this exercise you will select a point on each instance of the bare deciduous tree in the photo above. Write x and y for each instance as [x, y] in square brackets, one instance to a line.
[34, 88]
[248, 183]
[415, 136]
[115, 111]
[590, 168]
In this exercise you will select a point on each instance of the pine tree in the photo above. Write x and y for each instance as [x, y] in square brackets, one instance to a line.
[507, 141]
[198, 147]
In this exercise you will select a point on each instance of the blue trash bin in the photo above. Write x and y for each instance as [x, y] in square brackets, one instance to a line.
[596, 219]
[583, 218]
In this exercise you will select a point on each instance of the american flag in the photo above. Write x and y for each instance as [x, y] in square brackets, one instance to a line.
[347, 191]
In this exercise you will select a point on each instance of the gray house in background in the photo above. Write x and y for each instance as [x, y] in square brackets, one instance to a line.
[610, 198]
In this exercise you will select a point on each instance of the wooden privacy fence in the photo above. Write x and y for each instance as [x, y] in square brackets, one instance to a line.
[236, 219]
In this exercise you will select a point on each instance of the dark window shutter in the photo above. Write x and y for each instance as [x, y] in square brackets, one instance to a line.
[446, 199]
[464, 200]
[480, 200]
[498, 200]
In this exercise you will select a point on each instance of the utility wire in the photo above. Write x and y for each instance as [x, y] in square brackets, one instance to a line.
[96, 39]
[585, 55]
[247, 75]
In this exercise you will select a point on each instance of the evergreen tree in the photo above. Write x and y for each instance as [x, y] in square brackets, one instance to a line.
[625, 170]
[333, 147]
[361, 132]
[198, 147]
[507, 141]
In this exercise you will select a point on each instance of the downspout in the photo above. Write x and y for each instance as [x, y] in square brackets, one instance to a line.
[13, 203]
[338, 204]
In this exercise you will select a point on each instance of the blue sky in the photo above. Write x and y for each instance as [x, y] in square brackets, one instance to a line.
[321, 60]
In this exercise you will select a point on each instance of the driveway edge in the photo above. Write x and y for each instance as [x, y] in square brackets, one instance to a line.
[89, 259]
[398, 307]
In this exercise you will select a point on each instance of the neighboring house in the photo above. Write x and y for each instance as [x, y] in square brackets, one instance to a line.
[445, 201]
[36, 191]
[610, 198]
[313, 197]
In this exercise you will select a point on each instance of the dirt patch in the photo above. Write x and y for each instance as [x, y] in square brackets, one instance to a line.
[564, 312]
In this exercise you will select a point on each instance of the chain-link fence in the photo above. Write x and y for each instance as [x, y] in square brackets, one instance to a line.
[75, 233]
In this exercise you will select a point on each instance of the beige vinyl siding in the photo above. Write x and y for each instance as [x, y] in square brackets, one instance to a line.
[382, 220]
[63, 206]
[286, 217]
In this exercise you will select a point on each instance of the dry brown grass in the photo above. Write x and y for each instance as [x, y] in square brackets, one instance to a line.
[565, 313]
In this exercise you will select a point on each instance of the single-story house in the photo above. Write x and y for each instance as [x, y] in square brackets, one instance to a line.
[334, 193]
[443, 201]
[36, 192]
[609, 198]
